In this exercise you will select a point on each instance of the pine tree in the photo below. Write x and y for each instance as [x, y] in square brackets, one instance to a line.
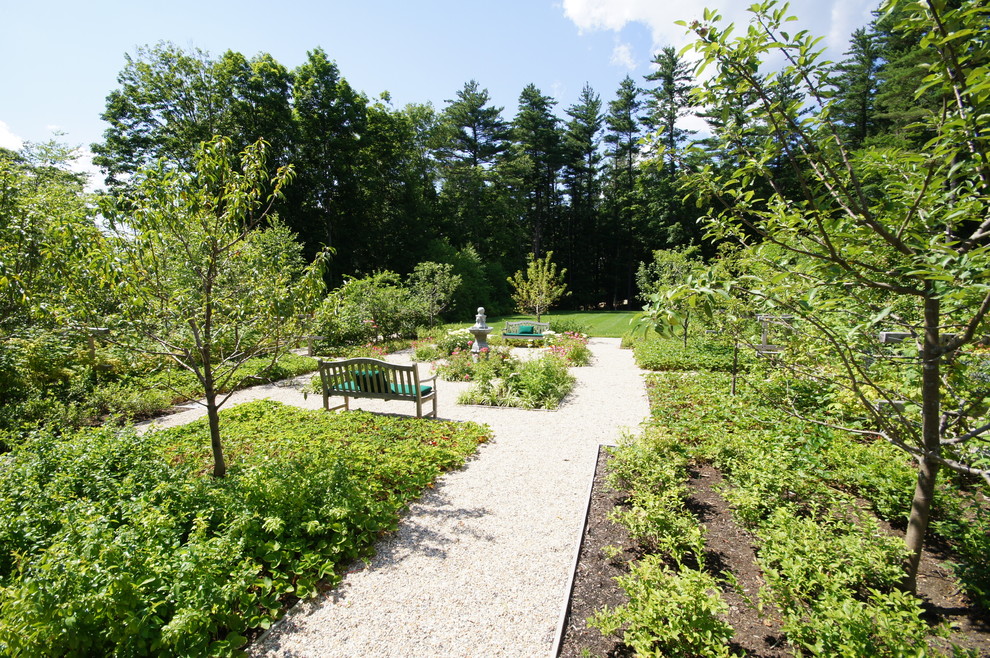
[582, 185]
[470, 141]
[668, 103]
[537, 153]
[856, 85]
[475, 133]
[622, 135]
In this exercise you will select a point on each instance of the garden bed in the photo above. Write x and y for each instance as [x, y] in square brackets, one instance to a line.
[729, 549]
[118, 543]
[731, 505]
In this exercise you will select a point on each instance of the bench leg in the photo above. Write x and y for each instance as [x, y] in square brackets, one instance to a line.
[327, 407]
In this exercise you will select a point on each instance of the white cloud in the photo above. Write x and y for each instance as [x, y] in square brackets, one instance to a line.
[622, 56]
[83, 164]
[847, 16]
[8, 139]
[832, 19]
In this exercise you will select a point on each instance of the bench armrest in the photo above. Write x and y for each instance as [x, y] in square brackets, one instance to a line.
[428, 379]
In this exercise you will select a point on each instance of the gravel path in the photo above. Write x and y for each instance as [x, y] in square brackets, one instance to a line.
[480, 564]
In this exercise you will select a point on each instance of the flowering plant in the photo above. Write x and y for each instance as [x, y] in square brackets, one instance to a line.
[570, 346]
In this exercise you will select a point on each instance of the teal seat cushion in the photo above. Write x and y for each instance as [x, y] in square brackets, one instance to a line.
[401, 389]
[526, 329]
[347, 387]
[371, 381]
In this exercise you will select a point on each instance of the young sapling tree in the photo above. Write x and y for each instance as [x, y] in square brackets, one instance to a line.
[200, 271]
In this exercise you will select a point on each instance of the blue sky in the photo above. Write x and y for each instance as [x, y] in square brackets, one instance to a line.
[59, 59]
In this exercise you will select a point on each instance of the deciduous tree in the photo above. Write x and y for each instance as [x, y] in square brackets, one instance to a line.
[195, 277]
[879, 239]
[540, 287]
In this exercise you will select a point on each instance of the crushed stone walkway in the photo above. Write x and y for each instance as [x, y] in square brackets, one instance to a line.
[480, 564]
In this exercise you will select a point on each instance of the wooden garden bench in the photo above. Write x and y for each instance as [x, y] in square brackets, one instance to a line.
[378, 380]
[524, 329]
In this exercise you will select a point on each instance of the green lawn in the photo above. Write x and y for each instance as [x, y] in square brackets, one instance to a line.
[601, 324]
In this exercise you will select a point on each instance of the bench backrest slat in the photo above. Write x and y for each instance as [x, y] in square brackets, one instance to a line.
[512, 326]
[371, 376]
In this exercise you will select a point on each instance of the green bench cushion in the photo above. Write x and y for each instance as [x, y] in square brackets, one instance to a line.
[401, 389]
[526, 329]
[371, 381]
[394, 389]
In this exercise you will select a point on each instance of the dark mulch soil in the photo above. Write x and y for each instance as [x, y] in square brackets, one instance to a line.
[730, 549]
[594, 580]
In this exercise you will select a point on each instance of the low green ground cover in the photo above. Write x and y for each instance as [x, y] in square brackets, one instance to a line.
[832, 573]
[119, 544]
[702, 352]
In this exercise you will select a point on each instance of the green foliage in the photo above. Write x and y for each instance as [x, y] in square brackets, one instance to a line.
[51, 380]
[703, 352]
[832, 573]
[368, 309]
[654, 469]
[426, 351]
[856, 242]
[535, 384]
[435, 284]
[565, 324]
[460, 365]
[670, 612]
[457, 339]
[572, 347]
[540, 287]
[669, 268]
[193, 274]
[117, 543]
[45, 223]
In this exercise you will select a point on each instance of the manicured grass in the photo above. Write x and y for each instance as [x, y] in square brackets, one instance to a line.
[601, 324]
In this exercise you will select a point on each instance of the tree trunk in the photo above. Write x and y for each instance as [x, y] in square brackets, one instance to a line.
[924, 493]
[212, 414]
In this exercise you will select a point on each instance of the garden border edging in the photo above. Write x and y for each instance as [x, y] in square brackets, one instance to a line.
[564, 615]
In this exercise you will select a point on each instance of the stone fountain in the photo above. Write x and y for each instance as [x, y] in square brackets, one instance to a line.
[480, 331]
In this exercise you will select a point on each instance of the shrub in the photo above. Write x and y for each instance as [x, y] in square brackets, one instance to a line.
[670, 613]
[426, 351]
[364, 310]
[569, 325]
[458, 367]
[118, 544]
[461, 366]
[700, 354]
[537, 384]
[569, 346]
[458, 339]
